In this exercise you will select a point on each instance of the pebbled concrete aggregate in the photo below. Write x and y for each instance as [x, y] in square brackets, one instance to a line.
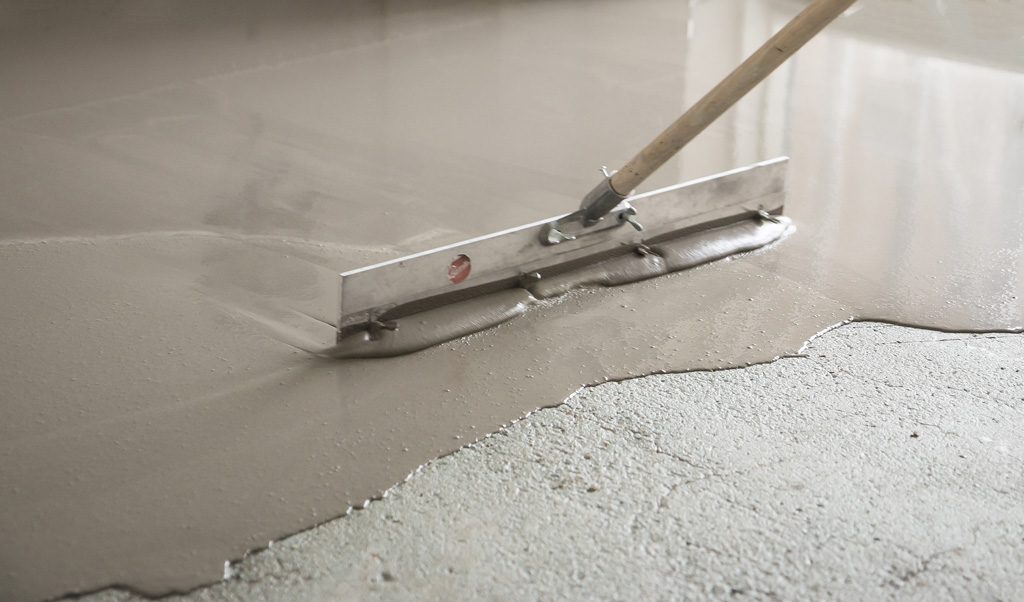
[881, 463]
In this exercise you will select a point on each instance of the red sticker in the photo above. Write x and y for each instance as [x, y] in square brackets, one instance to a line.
[458, 270]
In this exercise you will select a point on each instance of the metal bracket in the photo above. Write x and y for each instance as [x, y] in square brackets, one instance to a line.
[599, 203]
[762, 214]
[575, 224]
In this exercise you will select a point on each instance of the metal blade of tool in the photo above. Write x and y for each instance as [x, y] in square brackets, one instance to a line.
[518, 257]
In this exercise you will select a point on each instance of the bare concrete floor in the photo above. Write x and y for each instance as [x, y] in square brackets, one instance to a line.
[882, 463]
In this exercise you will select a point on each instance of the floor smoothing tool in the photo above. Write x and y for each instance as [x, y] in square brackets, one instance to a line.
[414, 302]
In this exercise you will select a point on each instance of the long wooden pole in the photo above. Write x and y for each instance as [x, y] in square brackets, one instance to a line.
[758, 66]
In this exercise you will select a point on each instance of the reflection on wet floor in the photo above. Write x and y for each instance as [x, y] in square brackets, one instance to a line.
[182, 182]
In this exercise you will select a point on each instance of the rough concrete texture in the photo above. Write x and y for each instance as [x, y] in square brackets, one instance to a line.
[882, 463]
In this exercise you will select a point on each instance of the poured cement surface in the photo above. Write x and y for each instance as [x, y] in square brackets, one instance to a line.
[883, 463]
[179, 188]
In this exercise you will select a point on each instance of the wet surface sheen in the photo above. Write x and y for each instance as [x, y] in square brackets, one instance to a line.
[180, 188]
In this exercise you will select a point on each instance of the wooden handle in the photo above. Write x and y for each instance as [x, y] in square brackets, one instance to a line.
[773, 53]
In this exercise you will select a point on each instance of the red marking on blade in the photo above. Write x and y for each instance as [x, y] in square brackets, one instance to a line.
[458, 270]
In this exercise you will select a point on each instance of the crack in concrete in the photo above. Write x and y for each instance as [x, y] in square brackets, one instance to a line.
[902, 577]
[964, 338]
